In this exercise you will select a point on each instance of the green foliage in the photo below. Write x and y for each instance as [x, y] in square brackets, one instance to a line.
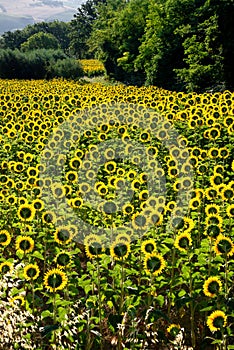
[81, 27]
[40, 41]
[60, 30]
[68, 68]
[37, 64]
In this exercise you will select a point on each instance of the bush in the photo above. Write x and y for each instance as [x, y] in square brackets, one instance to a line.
[37, 64]
[68, 68]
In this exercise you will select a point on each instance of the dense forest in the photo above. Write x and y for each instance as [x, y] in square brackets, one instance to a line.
[183, 45]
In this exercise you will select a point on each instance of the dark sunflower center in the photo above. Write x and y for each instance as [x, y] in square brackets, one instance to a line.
[63, 259]
[174, 331]
[149, 247]
[95, 248]
[144, 136]
[63, 235]
[76, 163]
[71, 177]
[213, 230]
[218, 322]
[55, 280]
[224, 246]
[3, 238]
[24, 245]
[184, 242]
[109, 207]
[120, 250]
[31, 272]
[228, 194]
[213, 287]
[25, 213]
[140, 220]
[48, 218]
[153, 264]
[5, 268]
[178, 222]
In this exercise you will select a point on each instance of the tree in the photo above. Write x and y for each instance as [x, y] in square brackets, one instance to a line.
[40, 41]
[81, 27]
[116, 36]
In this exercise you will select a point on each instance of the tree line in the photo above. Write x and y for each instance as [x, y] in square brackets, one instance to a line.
[185, 45]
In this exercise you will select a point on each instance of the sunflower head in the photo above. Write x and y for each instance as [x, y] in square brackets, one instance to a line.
[31, 272]
[148, 246]
[183, 241]
[216, 321]
[5, 238]
[173, 330]
[24, 244]
[55, 279]
[154, 263]
[120, 249]
[93, 246]
[212, 286]
[223, 245]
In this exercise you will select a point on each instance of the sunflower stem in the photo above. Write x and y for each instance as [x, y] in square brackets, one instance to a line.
[99, 300]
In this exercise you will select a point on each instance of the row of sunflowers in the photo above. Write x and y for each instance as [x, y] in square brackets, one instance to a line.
[117, 217]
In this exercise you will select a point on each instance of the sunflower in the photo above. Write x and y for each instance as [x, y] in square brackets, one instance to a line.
[6, 267]
[230, 210]
[128, 209]
[63, 259]
[223, 245]
[26, 212]
[93, 246]
[17, 301]
[63, 235]
[58, 190]
[216, 320]
[212, 209]
[55, 279]
[173, 330]
[49, 217]
[24, 244]
[31, 272]
[154, 263]
[139, 221]
[183, 241]
[212, 286]
[5, 238]
[148, 246]
[120, 249]
[227, 193]
[213, 230]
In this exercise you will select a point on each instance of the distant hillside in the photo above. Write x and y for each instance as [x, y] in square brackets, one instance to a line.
[15, 14]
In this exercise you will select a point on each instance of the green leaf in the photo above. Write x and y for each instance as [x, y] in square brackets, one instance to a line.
[47, 313]
[38, 255]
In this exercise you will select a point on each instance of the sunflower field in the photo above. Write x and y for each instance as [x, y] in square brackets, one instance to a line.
[92, 67]
[117, 217]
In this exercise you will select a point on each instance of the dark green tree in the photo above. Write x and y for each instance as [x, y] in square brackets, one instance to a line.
[81, 27]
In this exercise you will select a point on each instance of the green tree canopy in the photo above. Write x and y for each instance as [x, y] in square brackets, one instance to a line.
[40, 41]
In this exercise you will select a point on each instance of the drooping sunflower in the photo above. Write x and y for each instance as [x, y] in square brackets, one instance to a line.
[55, 279]
[148, 246]
[154, 263]
[120, 249]
[216, 320]
[26, 212]
[31, 272]
[5, 238]
[212, 287]
[24, 244]
[183, 241]
[223, 245]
